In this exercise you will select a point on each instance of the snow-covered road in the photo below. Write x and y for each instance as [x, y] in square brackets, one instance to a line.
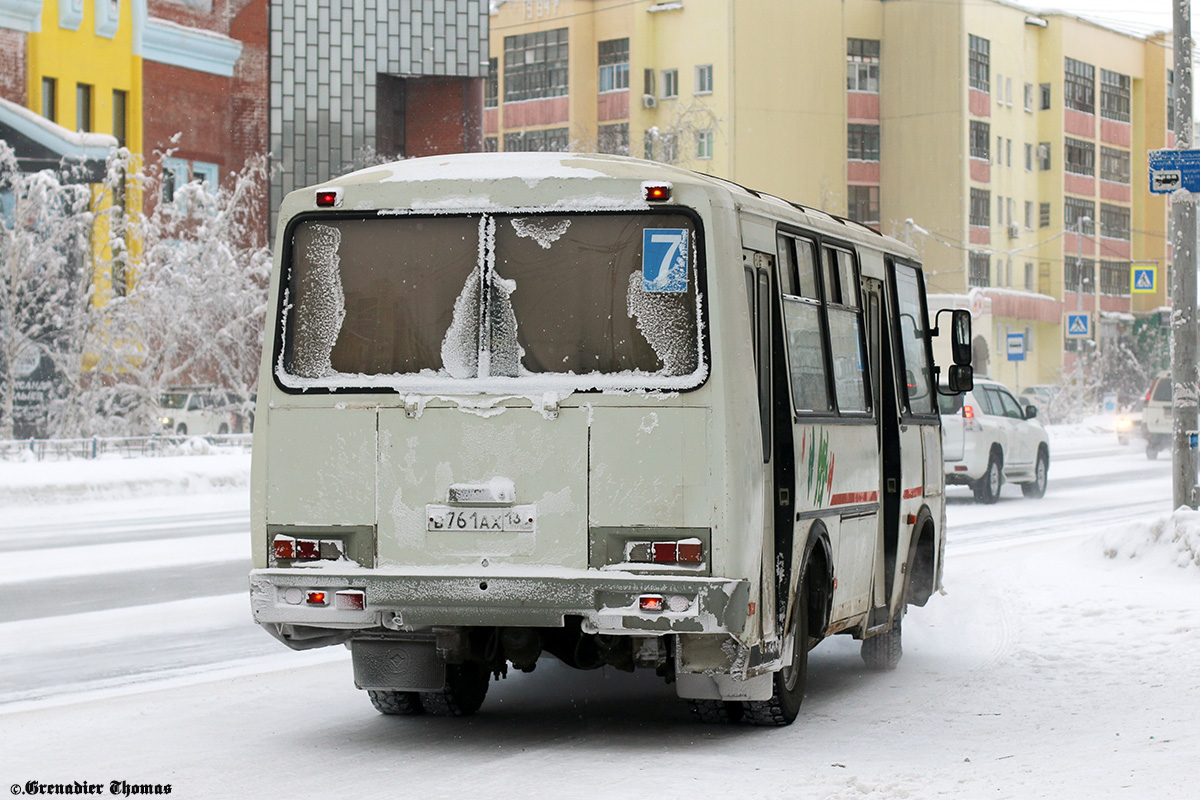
[1047, 670]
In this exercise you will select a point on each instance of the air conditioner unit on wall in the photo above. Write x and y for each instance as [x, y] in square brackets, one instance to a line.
[1013, 230]
[649, 101]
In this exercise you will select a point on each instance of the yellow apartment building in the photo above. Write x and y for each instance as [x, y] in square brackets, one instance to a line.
[1007, 146]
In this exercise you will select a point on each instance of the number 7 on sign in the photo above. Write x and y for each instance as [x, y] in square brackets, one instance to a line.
[664, 260]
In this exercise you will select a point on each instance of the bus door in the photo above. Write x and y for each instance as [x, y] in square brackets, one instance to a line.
[883, 388]
[775, 415]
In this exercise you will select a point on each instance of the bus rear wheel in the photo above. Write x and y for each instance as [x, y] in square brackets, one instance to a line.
[788, 683]
[397, 703]
[466, 687]
[719, 712]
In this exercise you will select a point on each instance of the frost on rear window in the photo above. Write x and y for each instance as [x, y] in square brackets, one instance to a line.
[320, 304]
[455, 303]
[543, 231]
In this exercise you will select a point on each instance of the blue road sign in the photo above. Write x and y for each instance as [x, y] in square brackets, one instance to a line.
[1174, 169]
[665, 259]
[1016, 347]
[1144, 280]
[1077, 325]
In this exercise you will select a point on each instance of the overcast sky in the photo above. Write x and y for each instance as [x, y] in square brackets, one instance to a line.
[1137, 16]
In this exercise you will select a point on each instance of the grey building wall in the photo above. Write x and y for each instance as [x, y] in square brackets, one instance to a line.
[325, 55]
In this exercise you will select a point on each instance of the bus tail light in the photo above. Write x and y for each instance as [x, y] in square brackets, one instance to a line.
[682, 551]
[651, 602]
[316, 598]
[350, 600]
[288, 548]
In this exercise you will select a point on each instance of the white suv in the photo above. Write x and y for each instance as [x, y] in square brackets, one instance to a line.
[199, 412]
[1158, 424]
[988, 438]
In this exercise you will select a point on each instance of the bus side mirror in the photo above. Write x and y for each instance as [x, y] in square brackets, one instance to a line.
[960, 378]
[960, 336]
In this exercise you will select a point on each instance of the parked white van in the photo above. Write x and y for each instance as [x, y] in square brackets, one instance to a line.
[598, 408]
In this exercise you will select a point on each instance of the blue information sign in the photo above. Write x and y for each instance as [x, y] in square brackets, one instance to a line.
[1016, 347]
[1171, 170]
[1077, 325]
[665, 259]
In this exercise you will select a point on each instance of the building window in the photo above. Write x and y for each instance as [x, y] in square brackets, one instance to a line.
[1043, 156]
[1114, 278]
[1075, 209]
[614, 65]
[979, 62]
[1043, 215]
[1079, 86]
[1079, 157]
[1029, 97]
[535, 65]
[660, 147]
[864, 204]
[491, 144]
[704, 144]
[1029, 276]
[1077, 274]
[1114, 221]
[981, 138]
[551, 140]
[980, 269]
[491, 86]
[1008, 152]
[1028, 157]
[50, 99]
[862, 142]
[613, 139]
[83, 107]
[704, 79]
[119, 112]
[1114, 165]
[1044, 91]
[1114, 95]
[175, 176]
[981, 203]
[670, 83]
[208, 175]
[862, 65]
[1028, 215]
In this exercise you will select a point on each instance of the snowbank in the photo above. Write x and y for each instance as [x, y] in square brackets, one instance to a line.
[1174, 538]
[43, 483]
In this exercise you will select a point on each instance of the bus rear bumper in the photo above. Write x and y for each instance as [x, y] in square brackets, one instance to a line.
[317, 607]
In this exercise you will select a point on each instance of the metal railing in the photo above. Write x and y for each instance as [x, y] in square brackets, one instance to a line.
[124, 446]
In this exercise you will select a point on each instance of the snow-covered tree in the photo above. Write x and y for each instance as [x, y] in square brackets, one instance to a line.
[194, 296]
[45, 276]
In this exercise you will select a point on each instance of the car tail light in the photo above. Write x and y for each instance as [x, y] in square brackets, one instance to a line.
[968, 412]
[969, 421]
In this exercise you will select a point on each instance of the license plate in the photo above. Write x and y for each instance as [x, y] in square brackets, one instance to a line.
[480, 519]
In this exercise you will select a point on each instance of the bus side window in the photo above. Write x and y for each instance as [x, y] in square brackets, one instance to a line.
[845, 332]
[805, 337]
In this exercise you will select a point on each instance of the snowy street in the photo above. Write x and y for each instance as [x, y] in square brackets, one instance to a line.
[127, 652]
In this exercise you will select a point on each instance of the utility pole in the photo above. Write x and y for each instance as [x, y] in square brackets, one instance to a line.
[1184, 373]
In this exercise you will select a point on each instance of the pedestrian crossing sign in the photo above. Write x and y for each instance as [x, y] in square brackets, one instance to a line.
[1144, 280]
[1077, 325]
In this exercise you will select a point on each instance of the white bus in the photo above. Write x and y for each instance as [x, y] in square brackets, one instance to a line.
[598, 408]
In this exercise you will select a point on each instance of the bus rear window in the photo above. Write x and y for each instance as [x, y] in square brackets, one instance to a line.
[590, 300]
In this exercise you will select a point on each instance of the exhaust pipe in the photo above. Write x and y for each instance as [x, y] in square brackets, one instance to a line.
[521, 646]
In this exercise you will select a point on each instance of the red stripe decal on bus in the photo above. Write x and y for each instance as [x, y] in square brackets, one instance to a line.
[853, 497]
[909, 494]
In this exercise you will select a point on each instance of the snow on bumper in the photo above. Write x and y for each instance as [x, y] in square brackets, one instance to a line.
[607, 602]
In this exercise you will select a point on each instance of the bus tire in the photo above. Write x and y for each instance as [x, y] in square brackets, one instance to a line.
[788, 683]
[466, 687]
[882, 653]
[718, 712]
[987, 488]
[405, 704]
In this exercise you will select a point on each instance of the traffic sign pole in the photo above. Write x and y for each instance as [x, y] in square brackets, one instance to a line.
[1184, 373]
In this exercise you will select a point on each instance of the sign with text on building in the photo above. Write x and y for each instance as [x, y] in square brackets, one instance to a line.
[1171, 170]
[1077, 325]
[1016, 347]
[1144, 280]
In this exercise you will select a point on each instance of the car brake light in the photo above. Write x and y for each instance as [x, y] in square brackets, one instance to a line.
[968, 412]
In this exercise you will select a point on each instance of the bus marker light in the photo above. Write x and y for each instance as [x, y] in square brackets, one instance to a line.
[651, 602]
[657, 192]
[911, 519]
[316, 598]
[350, 600]
[329, 198]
